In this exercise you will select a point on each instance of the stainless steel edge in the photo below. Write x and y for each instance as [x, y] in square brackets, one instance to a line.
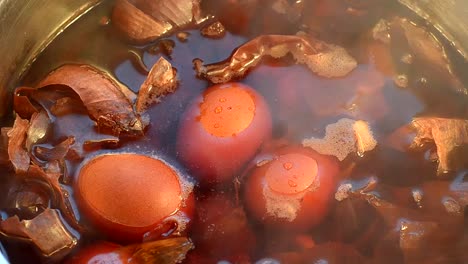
[449, 17]
[26, 28]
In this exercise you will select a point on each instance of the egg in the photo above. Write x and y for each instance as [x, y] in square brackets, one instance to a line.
[221, 130]
[292, 190]
[127, 196]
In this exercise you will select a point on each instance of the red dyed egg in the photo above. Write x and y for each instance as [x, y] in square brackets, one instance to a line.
[128, 195]
[293, 190]
[222, 130]
[102, 253]
[221, 229]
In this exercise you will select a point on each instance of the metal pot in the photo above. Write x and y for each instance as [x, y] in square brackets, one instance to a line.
[27, 27]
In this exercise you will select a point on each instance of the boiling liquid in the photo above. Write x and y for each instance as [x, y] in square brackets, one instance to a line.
[302, 104]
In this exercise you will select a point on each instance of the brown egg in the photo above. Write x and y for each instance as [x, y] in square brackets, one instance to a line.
[128, 195]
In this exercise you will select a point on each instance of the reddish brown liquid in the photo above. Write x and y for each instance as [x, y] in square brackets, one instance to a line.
[320, 102]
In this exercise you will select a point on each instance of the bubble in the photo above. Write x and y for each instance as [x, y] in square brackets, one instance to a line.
[285, 178]
[407, 58]
[292, 183]
[216, 125]
[267, 261]
[218, 109]
[451, 205]
[417, 196]
[222, 100]
[321, 261]
[343, 192]
[233, 117]
[401, 81]
[287, 165]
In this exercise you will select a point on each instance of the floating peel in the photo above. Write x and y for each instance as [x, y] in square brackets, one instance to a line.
[327, 60]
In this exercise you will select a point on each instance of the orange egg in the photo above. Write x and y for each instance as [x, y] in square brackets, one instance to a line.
[103, 252]
[227, 112]
[293, 191]
[291, 173]
[221, 130]
[128, 195]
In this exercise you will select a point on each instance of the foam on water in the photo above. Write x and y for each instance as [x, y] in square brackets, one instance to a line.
[285, 206]
[342, 138]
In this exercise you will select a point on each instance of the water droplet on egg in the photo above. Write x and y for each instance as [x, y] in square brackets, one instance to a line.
[292, 183]
[287, 165]
[218, 109]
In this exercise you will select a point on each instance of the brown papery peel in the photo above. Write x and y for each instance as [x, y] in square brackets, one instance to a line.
[37, 130]
[165, 251]
[429, 51]
[176, 12]
[107, 101]
[447, 134]
[56, 153]
[4, 159]
[326, 60]
[214, 30]
[137, 26]
[143, 21]
[61, 196]
[46, 231]
[161, 81]
[17, 153]
[409, 227]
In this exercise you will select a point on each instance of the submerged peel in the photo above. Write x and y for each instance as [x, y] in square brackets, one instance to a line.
[67, 105]
[82, 129]
[413, 230]
[37, 130]
[175, 12]
[46, 231]
[17, 153]
[327, 60]
[22, 104]
[166, 251]
[137, 26]
[447, 134]
[56, 153]
[51, 178]
[428, 50]
[143, 21]
[4, 159]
